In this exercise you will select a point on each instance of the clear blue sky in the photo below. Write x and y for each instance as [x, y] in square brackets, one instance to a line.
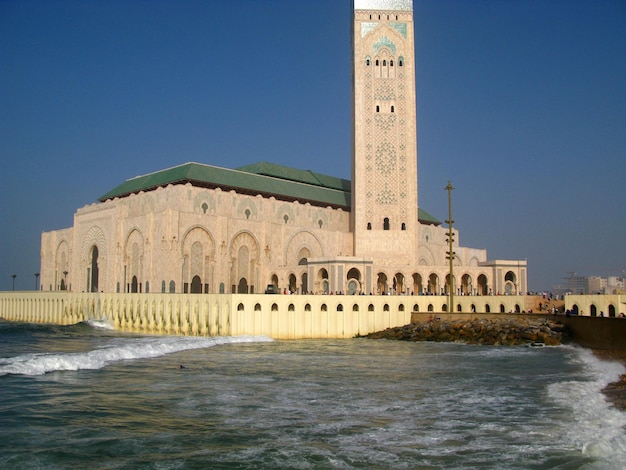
[521, 104]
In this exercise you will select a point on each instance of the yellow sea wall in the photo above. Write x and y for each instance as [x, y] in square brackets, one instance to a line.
[276, 316]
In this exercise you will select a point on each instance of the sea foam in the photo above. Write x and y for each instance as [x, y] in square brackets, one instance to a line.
[119, 349]
[598, 427]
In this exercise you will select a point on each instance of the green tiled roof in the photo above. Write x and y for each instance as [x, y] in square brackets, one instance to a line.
[244, 182]
[266, 179]
[425, 218]
[293, 174]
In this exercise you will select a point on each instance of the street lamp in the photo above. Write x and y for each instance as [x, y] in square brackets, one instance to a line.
[36, 281]
[450, 253]
[13, 276]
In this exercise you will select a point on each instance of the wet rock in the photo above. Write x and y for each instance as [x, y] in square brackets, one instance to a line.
[508, 332]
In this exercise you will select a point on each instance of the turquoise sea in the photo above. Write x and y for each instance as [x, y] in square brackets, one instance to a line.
[85, 396]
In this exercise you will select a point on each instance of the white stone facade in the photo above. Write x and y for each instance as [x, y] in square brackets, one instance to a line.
[193, 238]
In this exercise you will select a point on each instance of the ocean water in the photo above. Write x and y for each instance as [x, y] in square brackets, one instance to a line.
[85, 396]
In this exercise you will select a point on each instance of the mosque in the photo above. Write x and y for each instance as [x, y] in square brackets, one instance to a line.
[198, 228]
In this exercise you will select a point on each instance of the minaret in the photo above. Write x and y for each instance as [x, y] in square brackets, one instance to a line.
[384, 160]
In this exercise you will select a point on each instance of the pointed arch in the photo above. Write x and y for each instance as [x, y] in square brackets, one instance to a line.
[133, 259]
[90, 259]
[299, 241]
[244, 255]
[198, 253]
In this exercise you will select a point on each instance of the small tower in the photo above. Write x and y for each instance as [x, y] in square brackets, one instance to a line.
[384, 161]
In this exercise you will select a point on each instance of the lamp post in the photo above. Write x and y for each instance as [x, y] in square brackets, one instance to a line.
[13, 276]
[450, 252]
[36, 281]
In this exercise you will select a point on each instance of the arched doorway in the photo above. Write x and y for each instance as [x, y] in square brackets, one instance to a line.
[242, 286]
[482, 285]
[133, 284]
[93, 284]
[304, 287]
[398, 283]
[354, 281]
[322, 281]
[417, 284]
[446, 287]
[433, 284]
[466, 284]
[510, 281]
[381, 283]
[196, 285]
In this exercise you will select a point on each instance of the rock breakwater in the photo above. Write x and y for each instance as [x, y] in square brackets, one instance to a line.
[505, 332]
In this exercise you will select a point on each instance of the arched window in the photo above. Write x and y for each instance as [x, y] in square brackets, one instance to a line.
[403, 226]
[369, 226]
[367, 61]
[391, 63]
[377, 109]
[386, 223]
[392, 108]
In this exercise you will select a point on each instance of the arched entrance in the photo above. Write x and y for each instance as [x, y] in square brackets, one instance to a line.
[433, 284]
[292, 283]
[381, 283]
[304, 287]
[322, 281]
[417, 284]
[398, 283]
[196, 285]
[466, 284]
[482, 285]
[93, 281]
[242, 286]
[510, 281]
[354, 281]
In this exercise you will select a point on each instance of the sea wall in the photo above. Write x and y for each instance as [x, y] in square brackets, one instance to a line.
[277, 316]
[597, 332]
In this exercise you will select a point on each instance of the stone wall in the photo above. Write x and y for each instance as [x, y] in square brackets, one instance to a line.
[277, 316]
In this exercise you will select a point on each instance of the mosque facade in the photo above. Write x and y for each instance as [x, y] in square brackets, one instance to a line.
[198, 228]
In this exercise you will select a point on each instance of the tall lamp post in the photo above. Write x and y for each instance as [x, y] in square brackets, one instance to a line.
[450, 253]
[36, 281]
[13, 276]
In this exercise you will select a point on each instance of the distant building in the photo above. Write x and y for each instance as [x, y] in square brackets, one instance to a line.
[198, 228]
[611, 285]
